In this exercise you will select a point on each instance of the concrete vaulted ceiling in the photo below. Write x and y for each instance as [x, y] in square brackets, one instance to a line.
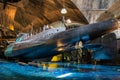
[112, 12]
[38, 12]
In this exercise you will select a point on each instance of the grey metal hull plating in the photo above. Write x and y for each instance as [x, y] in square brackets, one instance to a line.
[63, 41]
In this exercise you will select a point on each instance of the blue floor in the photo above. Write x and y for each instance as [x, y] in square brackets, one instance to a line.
[58, 71]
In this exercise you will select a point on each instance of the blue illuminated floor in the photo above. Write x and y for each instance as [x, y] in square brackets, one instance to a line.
[58, 71]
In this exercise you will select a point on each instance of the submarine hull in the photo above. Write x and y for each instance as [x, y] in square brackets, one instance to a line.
[60, 42]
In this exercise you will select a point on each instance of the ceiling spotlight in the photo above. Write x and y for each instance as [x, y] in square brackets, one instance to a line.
[63, 11]
[68, 21]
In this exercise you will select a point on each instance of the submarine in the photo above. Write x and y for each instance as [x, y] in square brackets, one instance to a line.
[51, 42]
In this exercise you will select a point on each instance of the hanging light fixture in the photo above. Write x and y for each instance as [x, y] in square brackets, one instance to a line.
[63, 10]
[68, 21]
